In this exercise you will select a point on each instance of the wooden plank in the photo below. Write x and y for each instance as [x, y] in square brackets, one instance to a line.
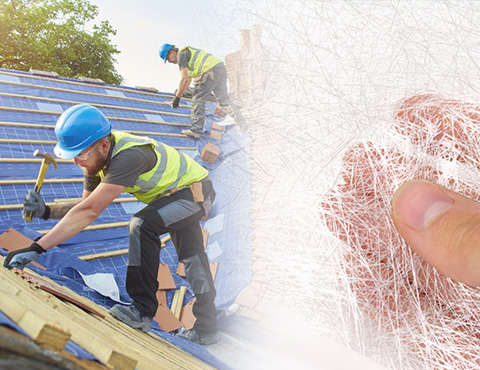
[116, 200]
[14, 342]
[120, 252]
[53, 142]
[111, 341]
[87, 340]
[27, 141]
[27, 125]
[174, 304]
[147, 121]
[104, 226]
[42, 332]
[9, 207]
[36, 111]
[177, 302]
[46, 181]
[91, 257]
[152, 133]
[31, 160]
[12, 308]
[51, 127]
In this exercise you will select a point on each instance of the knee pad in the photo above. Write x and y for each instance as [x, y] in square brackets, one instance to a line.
[134, 242]
[196, 274]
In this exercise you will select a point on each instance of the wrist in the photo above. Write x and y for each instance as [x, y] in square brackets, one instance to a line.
[46, 214]
[37, 248]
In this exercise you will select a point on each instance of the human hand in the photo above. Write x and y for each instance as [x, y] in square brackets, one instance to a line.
[421, 284]
[175, 102]
[34, 204]
[21, 257]
[442, 226]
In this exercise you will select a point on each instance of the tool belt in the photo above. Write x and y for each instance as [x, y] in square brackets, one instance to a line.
[203, 193]
[202, 78]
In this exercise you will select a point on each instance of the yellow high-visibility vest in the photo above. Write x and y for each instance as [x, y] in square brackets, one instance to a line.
[172, 170]
[200, 61]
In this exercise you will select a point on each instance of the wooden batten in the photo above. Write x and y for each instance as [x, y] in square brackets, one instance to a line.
[115, 344]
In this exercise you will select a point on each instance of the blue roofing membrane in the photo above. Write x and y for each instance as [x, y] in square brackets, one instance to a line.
[29, 99]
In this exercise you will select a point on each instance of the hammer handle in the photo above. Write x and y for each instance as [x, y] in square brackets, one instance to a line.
[41, 177]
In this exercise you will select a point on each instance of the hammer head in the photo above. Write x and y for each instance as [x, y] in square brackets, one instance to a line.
[47, 158]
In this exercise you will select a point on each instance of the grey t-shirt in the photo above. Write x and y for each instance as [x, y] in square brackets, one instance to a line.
[125, 167]
[182, 58]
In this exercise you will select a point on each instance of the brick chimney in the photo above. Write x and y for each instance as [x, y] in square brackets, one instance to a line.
[244, 67]
[244, 41]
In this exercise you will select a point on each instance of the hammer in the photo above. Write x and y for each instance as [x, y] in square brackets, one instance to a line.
[46, 160]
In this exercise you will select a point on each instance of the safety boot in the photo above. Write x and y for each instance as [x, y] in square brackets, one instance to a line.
[131, 316]
[205, 339]
[191, 134]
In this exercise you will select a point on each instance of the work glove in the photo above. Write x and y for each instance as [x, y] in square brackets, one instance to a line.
[35, 205]
[22, 257]
[175, 102]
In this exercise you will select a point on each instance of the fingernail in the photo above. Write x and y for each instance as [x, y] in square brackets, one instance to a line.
[416, 203]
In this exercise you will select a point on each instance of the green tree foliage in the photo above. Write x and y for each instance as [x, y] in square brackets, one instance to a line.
[59, 36]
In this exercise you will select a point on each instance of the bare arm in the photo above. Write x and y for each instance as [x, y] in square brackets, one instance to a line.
[57, 211]
[85, 194]
[184, 82]
[81, 215]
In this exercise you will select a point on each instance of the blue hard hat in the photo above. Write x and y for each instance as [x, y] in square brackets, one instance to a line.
[164, 51]
[78, 128]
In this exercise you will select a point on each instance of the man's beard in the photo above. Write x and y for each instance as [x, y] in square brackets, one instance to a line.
[96, 167]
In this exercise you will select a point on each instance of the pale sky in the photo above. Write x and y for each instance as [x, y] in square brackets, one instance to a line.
[144, 25]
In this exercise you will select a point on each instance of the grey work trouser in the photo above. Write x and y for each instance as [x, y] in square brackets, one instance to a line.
[214, 81]
[179, 215]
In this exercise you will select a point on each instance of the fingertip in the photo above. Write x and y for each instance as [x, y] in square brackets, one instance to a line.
[417, 203]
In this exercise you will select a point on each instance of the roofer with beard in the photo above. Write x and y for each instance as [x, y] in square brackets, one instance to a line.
[176, 190]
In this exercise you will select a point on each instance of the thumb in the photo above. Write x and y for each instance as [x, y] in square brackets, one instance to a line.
[441, 226]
